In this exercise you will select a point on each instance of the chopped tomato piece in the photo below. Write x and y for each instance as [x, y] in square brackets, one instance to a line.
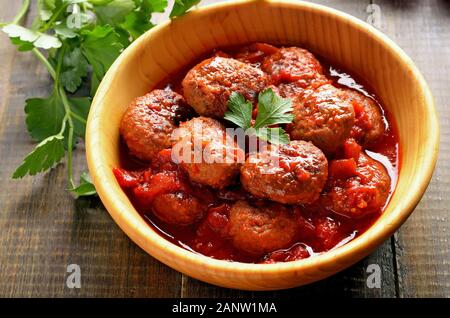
[125, 178]
[163, 160]
[159, 183]
[343, 168]
[352, 149]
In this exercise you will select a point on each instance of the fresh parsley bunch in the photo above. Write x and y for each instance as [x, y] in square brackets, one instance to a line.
[272, 110]
[77, 41]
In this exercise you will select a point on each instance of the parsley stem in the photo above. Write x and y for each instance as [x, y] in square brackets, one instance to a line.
[52, 20]
[69, 120]
[21, 14]
[67, 117]
[44, 60]
[78, 117]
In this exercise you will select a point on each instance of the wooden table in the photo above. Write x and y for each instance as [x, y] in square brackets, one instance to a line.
[43, 229]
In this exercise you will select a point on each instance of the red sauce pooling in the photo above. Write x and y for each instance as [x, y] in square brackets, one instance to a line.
[322, 230]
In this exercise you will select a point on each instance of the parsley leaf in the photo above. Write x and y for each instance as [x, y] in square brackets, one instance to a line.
[22, 46]
[181, 6]
[272, 110]
[137, 23]
[275, 135]
[114, 11]
[46, 154]
[75, 68]
[101, 46]
[240, 111]
[46, 8]
[149, 6]
[44, 116]
[86, 186]
[38, 39]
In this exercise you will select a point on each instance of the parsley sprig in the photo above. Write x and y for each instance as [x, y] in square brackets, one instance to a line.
[77, 41]
[272, 110]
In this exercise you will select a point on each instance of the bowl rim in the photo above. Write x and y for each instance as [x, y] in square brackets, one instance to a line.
[147, 238]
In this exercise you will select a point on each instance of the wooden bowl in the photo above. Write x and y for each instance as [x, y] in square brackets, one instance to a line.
[340, 38]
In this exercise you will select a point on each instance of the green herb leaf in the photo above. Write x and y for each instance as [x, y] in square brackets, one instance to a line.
[240, 111]
[181, 6]
[22, 46]
[151, 5]
[38, 39]
[115, 11]
[65, 32]
[86, 186]
[75, 68]
[46, 8]
[275, 135]
[137, 23]
[44, 116]
[46, 154]
[101, 46]
[273, 109]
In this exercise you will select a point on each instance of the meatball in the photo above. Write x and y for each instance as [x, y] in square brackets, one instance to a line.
[255, 53]
[149, 121]
[178, 208]
[369, 124]
[206, 153]
[299, 89]
[292, 64]
[356, 187]
[209, 84]
[292, 174]
[260, 230]
[323, 117]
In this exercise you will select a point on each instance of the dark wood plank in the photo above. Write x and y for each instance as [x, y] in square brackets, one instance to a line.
[422, 29]
[43, 229]
[349, 283]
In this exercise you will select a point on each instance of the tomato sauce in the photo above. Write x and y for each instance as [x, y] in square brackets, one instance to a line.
[322, 230]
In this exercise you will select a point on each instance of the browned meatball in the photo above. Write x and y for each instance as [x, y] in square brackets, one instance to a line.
[369, 125]
[209, 84]
[292, 174]
[356, 187]
[299, 89]
[149, 121]
[260, 230]
[323, 117]
[292, 64]
[178, 208]
[207, 153]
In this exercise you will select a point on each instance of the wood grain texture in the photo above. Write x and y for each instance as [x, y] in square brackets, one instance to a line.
[422, 29]
[43, 229]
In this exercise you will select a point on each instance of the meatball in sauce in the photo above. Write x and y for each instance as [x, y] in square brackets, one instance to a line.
[292, 174]
[206, 153]
[149, 121]
[208, 85]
